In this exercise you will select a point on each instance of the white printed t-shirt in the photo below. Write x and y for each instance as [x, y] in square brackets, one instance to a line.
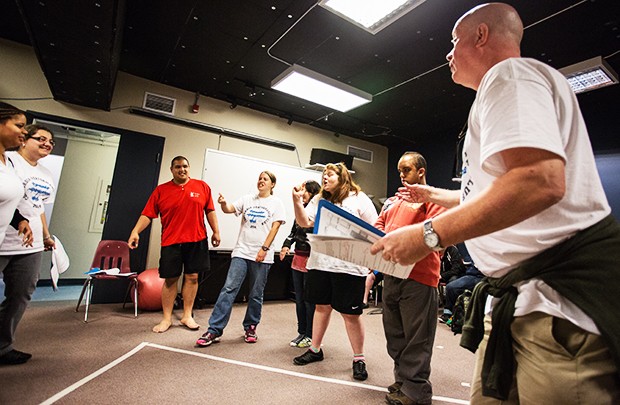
[258, 215]
[523, 103]
[11, 191]
[38, 189]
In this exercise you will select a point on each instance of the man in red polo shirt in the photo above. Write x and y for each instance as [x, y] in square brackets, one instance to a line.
[410, 305]
[182, 204]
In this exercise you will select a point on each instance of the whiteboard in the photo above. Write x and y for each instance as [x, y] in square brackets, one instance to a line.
[235, 175]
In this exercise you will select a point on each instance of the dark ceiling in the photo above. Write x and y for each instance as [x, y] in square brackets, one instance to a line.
[228, 49]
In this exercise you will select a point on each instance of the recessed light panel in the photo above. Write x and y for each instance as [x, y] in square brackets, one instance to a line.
[371, 15]
[317, 88]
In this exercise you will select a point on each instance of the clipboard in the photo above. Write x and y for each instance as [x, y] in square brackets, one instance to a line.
[324, 204]
[349, 238]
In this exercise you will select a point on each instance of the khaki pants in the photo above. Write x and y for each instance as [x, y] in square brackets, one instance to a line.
[556, 363]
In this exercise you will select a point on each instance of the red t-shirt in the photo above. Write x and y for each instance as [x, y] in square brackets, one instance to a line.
[182, 209]
[397, 213]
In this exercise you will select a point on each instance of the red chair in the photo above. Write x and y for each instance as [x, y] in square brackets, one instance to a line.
[110, 254]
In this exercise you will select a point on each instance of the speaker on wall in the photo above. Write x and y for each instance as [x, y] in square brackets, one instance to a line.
[324, 156]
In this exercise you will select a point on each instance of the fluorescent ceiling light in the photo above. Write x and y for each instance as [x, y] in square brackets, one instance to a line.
[312, 86]
[370, 15]
[589, 75]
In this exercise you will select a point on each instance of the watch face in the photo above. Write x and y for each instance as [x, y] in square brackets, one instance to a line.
[431, 240]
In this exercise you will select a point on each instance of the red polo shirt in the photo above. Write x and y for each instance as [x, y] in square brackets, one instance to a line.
[397, 213]
[182, 209]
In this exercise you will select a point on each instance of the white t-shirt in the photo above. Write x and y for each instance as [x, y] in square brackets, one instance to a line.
[524, 103]
[38, 189]
[258, 215]
[11, 191]
[359, 205]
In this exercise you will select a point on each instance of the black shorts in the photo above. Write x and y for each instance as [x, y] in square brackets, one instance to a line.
[188, 258]
[344, 292]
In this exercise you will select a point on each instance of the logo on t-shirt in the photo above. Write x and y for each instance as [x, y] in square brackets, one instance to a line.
[193, 194]
[37, 191]
[466, 180]
[256, 215]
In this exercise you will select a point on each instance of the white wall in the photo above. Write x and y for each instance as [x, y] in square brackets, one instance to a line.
[71, 224]
[21, 77]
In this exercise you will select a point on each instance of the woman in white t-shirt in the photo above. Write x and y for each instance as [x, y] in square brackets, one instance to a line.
[21, 262]
[334, 284]
[39, 189]
[12, 132]
[262, 214]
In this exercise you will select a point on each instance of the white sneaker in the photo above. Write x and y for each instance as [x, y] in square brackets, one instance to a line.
[305, 342]
[295, 342]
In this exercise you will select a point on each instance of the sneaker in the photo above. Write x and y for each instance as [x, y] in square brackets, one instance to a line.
[359, 370]
[305, 342]
[444, 318]
[398, 398]
[250, 334]
[395, 387]
[206, 339]
[308, 357]
[15, 357]
[299, 338]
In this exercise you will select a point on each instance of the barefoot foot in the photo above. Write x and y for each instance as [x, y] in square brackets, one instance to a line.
[189, 323]
[162, 326]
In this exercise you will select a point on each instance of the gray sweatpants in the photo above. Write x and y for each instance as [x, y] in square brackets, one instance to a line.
[410, 322]
[20, 274]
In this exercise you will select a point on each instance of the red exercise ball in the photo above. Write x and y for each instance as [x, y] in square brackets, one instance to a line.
[149, 290]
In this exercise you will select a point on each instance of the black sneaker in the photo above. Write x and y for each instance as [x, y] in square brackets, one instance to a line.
[444, 318]
[395, 387]
[207, 339]
[298, 339]
[359, 370]
[308, 357]
[15, 357]
[399, 398]
[250, 334]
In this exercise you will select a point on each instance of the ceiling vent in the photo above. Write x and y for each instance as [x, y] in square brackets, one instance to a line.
[359, 153]
[155, 102]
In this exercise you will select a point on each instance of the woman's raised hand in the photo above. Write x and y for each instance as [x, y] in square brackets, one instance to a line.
[298, 193]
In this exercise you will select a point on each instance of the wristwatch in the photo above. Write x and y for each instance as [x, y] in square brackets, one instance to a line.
[265, 248]
[431, 239]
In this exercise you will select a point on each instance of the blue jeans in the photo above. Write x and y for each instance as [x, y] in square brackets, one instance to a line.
[304, 309]
[237, 271]
[457, 287]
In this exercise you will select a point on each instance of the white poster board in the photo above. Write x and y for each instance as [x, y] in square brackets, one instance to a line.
[235, 175]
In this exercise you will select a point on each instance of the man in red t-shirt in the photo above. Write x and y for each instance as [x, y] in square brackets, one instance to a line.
[182, 204]
[410, 305]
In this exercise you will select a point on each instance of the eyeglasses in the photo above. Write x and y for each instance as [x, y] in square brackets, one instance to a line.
[42, 139]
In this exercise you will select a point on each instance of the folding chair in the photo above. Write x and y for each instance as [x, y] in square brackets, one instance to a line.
[110, 254]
